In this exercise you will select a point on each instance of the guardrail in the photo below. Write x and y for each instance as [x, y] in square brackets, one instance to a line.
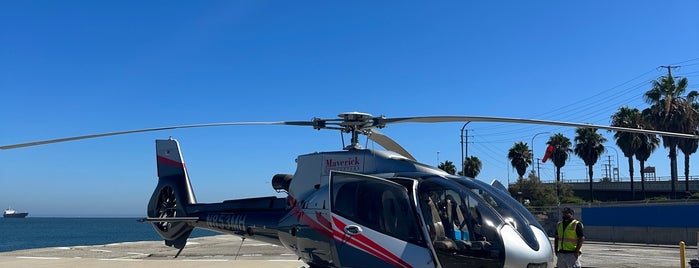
[636, 179]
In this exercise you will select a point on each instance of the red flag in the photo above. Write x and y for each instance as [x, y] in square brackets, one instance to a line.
[549, 151]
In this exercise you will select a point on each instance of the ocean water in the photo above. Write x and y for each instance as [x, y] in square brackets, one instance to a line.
[33, 232]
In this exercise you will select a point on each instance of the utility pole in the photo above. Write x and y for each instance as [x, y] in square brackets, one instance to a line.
[669, 69]
[609, 165]
[616, 174]
[606, 170]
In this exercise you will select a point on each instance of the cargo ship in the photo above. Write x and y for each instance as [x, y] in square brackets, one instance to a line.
[11, 213]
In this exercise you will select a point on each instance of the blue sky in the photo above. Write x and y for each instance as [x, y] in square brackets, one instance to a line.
[81, 67]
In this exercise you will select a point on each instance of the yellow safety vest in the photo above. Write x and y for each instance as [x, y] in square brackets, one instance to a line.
[568, 238]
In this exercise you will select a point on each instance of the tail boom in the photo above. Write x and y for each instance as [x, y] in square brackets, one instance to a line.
[174, 211]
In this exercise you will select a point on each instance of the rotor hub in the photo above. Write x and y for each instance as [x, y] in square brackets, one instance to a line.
[355, 116]
[356, 123]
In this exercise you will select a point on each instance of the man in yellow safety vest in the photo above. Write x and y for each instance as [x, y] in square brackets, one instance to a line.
[569, 239]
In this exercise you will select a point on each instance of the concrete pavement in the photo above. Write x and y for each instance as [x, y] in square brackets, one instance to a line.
[213, 251]
[223, 251]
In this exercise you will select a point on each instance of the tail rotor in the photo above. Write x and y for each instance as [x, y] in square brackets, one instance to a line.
[166, 208]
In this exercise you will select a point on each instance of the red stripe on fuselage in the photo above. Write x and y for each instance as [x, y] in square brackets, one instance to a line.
[362, 242]
[322, 220]
[318, 226]
[169, 162]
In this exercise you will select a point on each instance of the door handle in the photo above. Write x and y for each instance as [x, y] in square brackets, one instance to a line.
[353, 230]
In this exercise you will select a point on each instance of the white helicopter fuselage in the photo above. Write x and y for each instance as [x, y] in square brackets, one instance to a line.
[362, 208]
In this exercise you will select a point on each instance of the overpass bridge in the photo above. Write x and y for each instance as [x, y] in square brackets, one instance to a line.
[621, 190]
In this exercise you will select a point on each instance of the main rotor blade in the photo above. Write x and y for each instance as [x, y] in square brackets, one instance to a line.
[444, 119]
[35, 143]
[380, 122]
[388, 143]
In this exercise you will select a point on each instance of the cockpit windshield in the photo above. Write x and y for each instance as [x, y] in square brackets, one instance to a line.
[511, 211]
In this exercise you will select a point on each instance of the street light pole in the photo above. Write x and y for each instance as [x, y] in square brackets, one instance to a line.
[533, 147]
[463, 165]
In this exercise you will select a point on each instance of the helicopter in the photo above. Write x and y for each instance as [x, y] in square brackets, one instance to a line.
[360, 207]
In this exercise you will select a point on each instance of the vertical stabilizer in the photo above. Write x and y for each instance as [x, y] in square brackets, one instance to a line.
[172, 194]
[171, 168]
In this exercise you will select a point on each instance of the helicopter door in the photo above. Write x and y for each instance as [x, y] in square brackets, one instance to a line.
[374, 223]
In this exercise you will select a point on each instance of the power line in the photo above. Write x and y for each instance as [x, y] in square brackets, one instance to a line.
[681, 62]
[493, 140]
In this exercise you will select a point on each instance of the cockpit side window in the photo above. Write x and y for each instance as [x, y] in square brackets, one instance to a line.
[461, 226]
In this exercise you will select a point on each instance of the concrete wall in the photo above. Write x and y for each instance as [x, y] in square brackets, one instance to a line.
[642, 235]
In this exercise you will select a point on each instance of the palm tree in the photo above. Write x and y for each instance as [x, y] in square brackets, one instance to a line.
[589, 147]
[561, 150]
[628, 142]
[648, 144]
[472, 166]
[520, 157]
[448, 166]
[670, 111]
[688, 147]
